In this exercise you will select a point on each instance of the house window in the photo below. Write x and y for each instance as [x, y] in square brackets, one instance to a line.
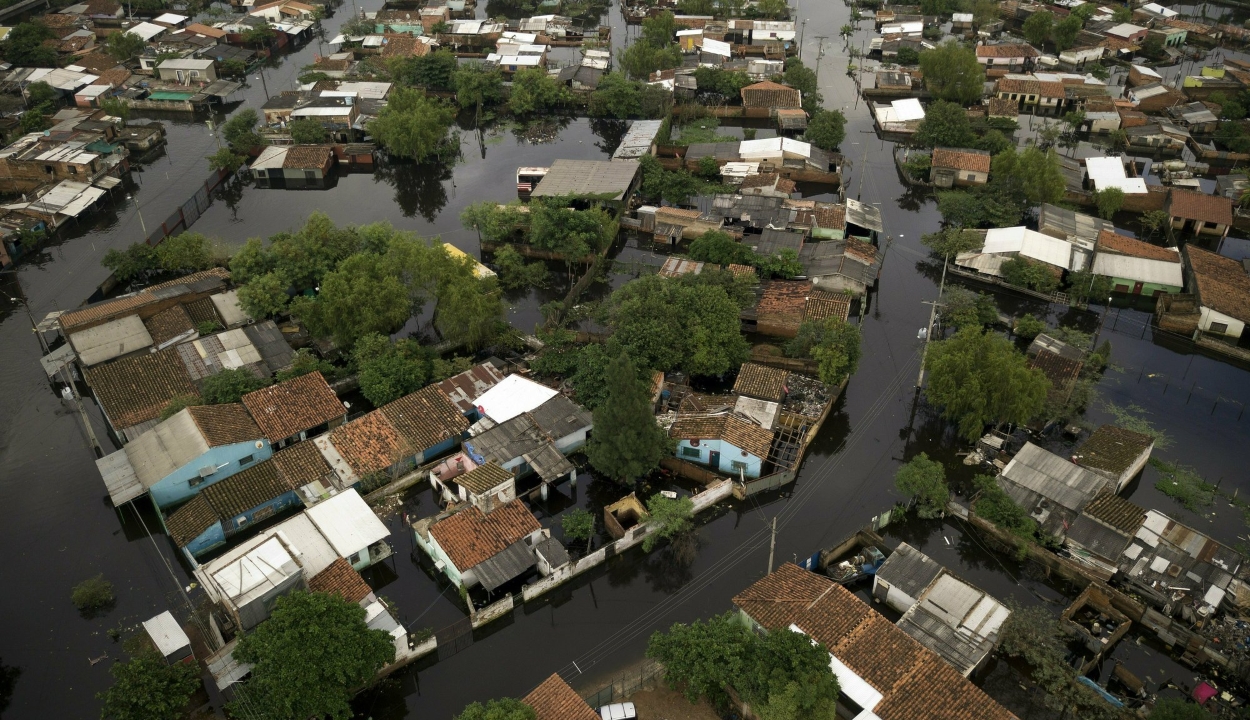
[246, 459]
[1220, 328]
[971, 176]
[691, 452]
[310, 174]
[737, 465]
[1121, 288]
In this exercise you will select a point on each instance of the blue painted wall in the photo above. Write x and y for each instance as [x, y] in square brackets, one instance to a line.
[215, 535]
[176, 487]
[729, 454]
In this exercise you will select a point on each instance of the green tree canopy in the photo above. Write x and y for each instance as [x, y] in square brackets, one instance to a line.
[390, 370]
[951, 241]
[945, 124]
[1065, 31]
[951, 72]
[226, 159]
[240, 131]
[363, 295]
[571, 233]
[686, 323]
[1032, 174]
[799, 76]
[24, 45]
[306, 131]
[671, 517]
[186, 252]
[782, 674]
[230, 385]
[578, 525]
[826, 129]
[500, 709]
[477, 85]
[1178, 709]
[636, 444]
[616, 96]
[434, 70]
[1031, 274]
[924, 480]
[721, 248]
[837, 351]
[533, 90]
[979, 378]
[1038, 27]
[123, 46]
[311, 655]
[1109, 201]
[727, 84]
[411, 125]
[964, 308]
[146, 688]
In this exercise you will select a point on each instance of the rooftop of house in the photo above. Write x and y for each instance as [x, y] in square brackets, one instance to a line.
[470, 537]
[341, 579]
[425, 418]
[126, 304]
[368, 444]
[600, 178]
[555, 700]
[823, 305]
[761, 381]
[1116, 512]
[134, 390]
[301, 464]
[484, 478]
[961, 159]
[249, 488]
[1007, 50]
[1030, 86]
[1199, 206]
[1223, 284]
[299, 157]
[1110, 241]
[888, 673]
[769, 94]
[1036, 478]
[784, 298]
[290, 407]
[465, 388]
[739, 433]
[1112, 448]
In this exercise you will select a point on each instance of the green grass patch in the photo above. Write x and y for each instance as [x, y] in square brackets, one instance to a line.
[1133, 417]
[1183, 484]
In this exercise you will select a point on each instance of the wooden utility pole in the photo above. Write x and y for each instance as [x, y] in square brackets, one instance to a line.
[772, 546]
[933, 306]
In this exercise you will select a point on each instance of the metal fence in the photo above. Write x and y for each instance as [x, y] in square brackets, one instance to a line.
[642, 677]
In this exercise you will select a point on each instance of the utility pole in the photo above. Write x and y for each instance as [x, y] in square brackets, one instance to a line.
[933, 306]
[820, 54]
[772, 546]
[802, 33]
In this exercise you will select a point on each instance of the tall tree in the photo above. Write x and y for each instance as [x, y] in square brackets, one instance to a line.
[1033, 175]
[362, 296]
[411, 125]
[924, 480]
[500, 709]
[628, 444]
[310, 657]
[826, 129]
[123, 46]
[390, 370]
[979, 378]
[945, 124]
[951, 72]
[1065, 31]
[533, 90]
[145, 687]
[1037, 28]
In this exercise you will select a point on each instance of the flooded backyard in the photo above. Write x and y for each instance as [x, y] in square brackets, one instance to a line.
[60, 528]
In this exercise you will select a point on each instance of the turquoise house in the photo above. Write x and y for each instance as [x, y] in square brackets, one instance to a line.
[724, 443]
[257, 493]
[181, 456]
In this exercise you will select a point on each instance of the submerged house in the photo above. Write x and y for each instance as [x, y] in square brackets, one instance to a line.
[954, 619]
[723, 442]
[474, 548]
[883, 672]
[1200, 214]
[293, 477]
[1221, 288]
[196, 447]
[1115, 453]
[535, 440]
[296, 409]
[1053, 490]
[1003, 244]
[1137, 267]
[960, 167]
[1102, 532]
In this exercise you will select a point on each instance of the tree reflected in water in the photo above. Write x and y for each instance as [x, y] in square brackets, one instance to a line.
[419, 187]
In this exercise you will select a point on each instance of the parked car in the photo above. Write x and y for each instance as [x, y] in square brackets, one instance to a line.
[618, 711]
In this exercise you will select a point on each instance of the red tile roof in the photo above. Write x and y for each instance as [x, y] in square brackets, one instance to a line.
[469, 537]
[739, 433]
[1006, 50]
[293, 406]
[425, 418]
[960, 159]
[769, 94]
[134, 390]
[760, 381]
[128, 303]
[1198, 206]
[1223, 284]
[224, 424]
[305, 157]
[555, 700]
[916, 684]
[341, 579]
[1109, 241]
[369, 443]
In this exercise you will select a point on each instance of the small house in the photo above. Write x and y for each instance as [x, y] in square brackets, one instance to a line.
[1154, 97]
[1012, 56]
[179, 457]
[956, 620]
[555, 700]
[187, 71]
[850, 265]
[1128, 32]
[723, 442]
[761, 382]
[350, 526]
[464, 389]
[1003, 244]
[485, 487]
[960, 167]
[1198, 213]
[535, 440]
[767, 97]
[1060, 362]
[1179, 569]
[296, 409]
[1102, 532]
[473, 548]
[169, 639]
[294, 166]
[1053, 490]
[1115, 453]
[1222, 291]
[1137, 267]
[1157, 138]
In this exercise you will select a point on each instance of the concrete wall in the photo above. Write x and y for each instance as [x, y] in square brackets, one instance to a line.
[176, 487]
[1208, 316]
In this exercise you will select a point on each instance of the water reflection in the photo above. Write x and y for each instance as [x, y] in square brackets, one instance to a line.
[419, 188]
[610, 132]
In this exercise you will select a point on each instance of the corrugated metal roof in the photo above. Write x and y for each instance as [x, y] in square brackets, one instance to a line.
[1139, 269]
[110, 340]
[588, 177]
[502, 567]
[119, 478]
[909, 570]
[548, 463]
[638, 139]
[167, 634]
[1052, 477]
[1100, 539]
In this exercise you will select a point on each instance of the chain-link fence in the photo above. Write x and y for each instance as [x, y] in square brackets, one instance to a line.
[641, 677]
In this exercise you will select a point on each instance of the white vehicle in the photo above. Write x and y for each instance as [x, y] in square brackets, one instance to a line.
[618, 711]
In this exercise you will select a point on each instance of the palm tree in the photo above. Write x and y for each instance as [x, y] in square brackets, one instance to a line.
[846, 32]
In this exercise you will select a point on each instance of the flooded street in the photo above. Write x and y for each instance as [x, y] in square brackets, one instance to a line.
[58, 527]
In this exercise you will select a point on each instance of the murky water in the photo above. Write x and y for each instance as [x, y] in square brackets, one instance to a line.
[58, 527]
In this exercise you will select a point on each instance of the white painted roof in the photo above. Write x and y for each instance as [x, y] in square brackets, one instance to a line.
[961, 17]
[166, 633]
[907, 109]
[1108, 172]
[347, 523]
[1150, 72]
[688, 33]
[147, 30]
[186, 64]
[271, 158]
[1139, 269]
[1124, 30]
[1157, 9]
[229, 309]
[513, 396]
[110, 340]
[716, 47]
[1031, 244]
[170, 18]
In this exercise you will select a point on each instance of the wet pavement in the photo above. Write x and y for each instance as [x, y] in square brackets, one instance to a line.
[58, 527]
